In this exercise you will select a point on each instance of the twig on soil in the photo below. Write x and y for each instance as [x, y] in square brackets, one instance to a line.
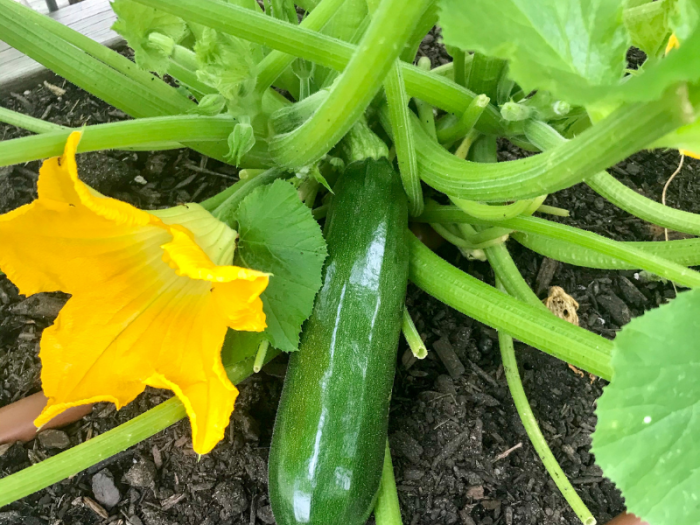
[504, 455]
[205, 171]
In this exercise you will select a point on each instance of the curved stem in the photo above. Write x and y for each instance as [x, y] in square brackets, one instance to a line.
[226, 211]
[89, 453]
[456, 128]
[399, 115]
[510, 366]
[497, 213]
[624, 132]
[506, 272]
[360, 81]
[484, 303]
[117, 135]
[326, 51]
[607, 186]
[510, 277]
[588, 240]
[685, 252]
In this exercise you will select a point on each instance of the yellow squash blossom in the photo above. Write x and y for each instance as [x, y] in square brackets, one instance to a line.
[153, 294]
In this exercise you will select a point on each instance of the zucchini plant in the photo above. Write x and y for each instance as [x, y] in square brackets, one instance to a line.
[320, 105]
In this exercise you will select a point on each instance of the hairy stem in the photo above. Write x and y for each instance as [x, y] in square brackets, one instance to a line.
[350, 95]
[117, 135]
[522, 321]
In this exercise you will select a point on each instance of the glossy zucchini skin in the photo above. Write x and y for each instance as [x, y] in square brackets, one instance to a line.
[328, 442]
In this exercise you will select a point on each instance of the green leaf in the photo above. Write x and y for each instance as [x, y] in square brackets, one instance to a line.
[279, 235]
[226, 63]
[646, 439]
[648, 26]
[240, 141]
[135, 22]
[210, 105]
[575, 49]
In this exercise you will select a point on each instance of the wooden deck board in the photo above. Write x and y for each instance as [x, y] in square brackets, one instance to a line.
[92, 18]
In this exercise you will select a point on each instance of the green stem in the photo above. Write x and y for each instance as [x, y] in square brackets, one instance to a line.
[354, 90]
[397, 100]
[276, 62]
[467, 242]
[459, 61]
[454, 129]
[510, 366]
[188, 77]
[497, 213]
[260, 356]
[506, 272]
[510, 277]
[413, 338]
[387, 510]
[426, 115]
[117, 135]
[399, 116]
[426, 22]
[685, 252]
[588, 240]
[35, 125]
[226, 210]
[89, 453]
[553, 210]
[527, 323]
[623, 133]
[326, 51]
[545, 137]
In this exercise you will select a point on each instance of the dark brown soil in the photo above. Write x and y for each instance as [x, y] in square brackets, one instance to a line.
[448, 434]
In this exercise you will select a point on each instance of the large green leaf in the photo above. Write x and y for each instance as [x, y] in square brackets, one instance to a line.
[575, 49]
[646, 440]
[279, 235]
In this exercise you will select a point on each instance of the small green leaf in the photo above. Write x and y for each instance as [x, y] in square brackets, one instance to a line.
[646, 439]
[135, 22]
[226, 63]
[210, 105]
[278, 234]
[575, 49]
[318, 177]
[240, 141]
